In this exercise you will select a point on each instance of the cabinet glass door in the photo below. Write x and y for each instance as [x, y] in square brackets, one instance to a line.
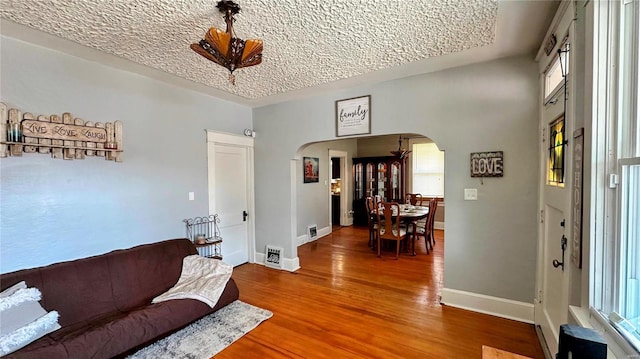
[395, 181]
[382, 179]
[370, 179]
[358, 176]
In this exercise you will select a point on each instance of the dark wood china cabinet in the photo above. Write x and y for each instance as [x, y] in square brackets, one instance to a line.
[383, 176]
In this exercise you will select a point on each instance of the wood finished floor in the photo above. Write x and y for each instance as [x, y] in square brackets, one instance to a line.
[346, 303]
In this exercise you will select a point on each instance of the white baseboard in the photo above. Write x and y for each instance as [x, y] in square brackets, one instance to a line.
[499, 307]
[288, 264]
[291, 264]
[303, 239]
[259, 258]
[438, 225]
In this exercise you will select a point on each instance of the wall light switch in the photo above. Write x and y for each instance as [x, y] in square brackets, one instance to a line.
[470, 194]
[192, 196]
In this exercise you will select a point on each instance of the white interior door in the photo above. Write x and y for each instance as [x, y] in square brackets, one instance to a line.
[230, 197]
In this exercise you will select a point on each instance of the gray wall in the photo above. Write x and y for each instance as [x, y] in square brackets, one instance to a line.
[380, 145]
[312, 200]
[490, 243]
[55, 210]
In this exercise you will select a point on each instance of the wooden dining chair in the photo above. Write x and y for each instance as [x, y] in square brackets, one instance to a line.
[433, 207]
[414, 199]
[377, 199]
[372, 218]
[424, 227]
[389, 225]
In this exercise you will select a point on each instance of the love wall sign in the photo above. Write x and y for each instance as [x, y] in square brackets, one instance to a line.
[487, 164]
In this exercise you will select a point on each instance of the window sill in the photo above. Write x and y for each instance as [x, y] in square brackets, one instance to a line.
[580, 315]
[591, 319]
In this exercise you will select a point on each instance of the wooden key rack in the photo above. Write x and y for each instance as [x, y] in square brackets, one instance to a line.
[62, 136]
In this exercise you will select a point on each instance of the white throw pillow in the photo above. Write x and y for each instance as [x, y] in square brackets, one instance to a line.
[22, 318]
[7, 292]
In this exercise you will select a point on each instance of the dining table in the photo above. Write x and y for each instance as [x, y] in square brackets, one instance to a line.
[410, 215]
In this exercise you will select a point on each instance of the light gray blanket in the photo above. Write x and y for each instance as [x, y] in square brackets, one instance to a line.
[202, 279]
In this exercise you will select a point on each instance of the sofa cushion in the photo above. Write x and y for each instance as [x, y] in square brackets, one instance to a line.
[115, 334]
[104, 301]
[92, 287]
[136, 280]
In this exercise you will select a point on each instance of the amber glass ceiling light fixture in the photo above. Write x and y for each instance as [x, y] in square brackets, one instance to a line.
[224, 48]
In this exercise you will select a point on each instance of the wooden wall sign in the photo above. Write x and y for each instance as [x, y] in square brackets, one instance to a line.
[550, 45]
[487, 164]
[353, 116]
[38, 129]
[576, 198]
[61, 136]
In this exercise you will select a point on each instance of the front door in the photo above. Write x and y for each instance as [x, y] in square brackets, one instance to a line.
[552, 306]
[556, 123]
[229, 191]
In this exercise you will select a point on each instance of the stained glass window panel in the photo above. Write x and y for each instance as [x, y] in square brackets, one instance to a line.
[555, 171]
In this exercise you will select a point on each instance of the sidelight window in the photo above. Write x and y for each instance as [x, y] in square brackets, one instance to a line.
[626, 317]
[616, 202]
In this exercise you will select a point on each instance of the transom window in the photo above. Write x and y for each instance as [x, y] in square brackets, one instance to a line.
[553, 79]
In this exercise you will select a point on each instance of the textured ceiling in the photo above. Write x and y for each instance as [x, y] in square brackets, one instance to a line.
[306, 42]
[310, 46]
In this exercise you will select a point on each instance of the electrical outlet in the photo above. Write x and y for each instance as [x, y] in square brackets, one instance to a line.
[192, 196]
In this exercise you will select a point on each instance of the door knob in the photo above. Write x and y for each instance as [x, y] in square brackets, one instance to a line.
[563, 243]
[244, 216]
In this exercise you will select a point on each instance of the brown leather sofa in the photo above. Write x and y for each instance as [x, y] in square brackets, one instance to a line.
[104, 301]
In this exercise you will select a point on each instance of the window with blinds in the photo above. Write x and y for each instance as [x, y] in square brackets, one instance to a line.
[428, 170]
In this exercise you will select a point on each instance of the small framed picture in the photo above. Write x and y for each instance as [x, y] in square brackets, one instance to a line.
[310, 169]
[273, 257]
[312, 231]
[353, 116]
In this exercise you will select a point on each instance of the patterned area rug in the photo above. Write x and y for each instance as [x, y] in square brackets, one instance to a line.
[209, 335]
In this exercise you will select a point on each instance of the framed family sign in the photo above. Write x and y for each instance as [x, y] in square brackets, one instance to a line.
[353, 116]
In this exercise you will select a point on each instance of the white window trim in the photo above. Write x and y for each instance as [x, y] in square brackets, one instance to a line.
[604, 150]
